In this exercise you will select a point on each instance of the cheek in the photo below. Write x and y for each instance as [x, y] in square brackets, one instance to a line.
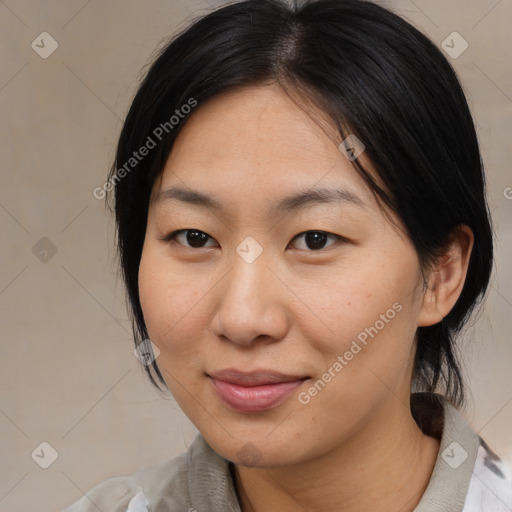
[171, 304]
[362, 300]
[368, 349]
[362, 347]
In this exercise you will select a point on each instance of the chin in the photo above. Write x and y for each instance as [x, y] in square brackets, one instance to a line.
[254, 451]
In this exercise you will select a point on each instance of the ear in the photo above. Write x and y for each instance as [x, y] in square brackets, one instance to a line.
[447, 279]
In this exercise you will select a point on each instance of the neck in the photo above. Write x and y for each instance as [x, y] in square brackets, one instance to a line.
[389, 462]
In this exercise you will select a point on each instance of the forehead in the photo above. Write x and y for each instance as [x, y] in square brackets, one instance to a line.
[255, 144]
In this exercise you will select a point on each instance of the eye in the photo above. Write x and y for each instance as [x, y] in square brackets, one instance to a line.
[196, 239]
[191, 238]
[315, 240]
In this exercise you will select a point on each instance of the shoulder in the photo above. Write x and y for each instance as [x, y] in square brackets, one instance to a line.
[112, 495]
[198, 479]
[468, 476]
[163, 483]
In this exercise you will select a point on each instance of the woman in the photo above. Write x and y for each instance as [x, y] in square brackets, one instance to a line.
[303, 230]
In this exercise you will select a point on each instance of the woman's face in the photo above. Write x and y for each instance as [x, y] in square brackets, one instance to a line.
[285, 327]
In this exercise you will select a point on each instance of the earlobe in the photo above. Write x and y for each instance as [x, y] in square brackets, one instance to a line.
[429, 313]
[447, 279]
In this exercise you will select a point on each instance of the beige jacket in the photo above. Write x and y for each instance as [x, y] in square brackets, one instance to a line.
[468, 476]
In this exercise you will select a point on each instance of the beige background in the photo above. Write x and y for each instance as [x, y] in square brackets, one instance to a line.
[69, 376]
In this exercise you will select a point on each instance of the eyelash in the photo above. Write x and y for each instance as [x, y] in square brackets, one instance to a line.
[171, 237]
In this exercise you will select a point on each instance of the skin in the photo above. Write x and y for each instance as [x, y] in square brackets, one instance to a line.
[294, 309]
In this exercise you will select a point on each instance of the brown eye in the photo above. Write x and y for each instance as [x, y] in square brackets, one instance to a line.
[316, 240]
[191, 238]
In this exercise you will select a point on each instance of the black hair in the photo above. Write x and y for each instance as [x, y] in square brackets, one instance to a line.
[375, 76]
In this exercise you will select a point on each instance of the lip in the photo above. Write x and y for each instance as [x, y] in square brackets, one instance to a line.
[254, 391]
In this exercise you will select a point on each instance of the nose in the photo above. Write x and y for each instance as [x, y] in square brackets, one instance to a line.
[251, 304]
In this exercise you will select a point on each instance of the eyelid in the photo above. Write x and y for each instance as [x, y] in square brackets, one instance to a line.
[338, 238]
[172, 236]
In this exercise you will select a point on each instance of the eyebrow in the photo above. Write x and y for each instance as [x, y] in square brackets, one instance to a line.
[294, 202]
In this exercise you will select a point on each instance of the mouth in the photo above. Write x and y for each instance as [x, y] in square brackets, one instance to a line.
[255, 391]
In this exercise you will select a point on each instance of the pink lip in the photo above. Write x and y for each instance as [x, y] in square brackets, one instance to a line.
[254, 391]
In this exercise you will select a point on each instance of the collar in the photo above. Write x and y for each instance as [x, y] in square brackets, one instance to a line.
[449, 483]
[210, 475]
